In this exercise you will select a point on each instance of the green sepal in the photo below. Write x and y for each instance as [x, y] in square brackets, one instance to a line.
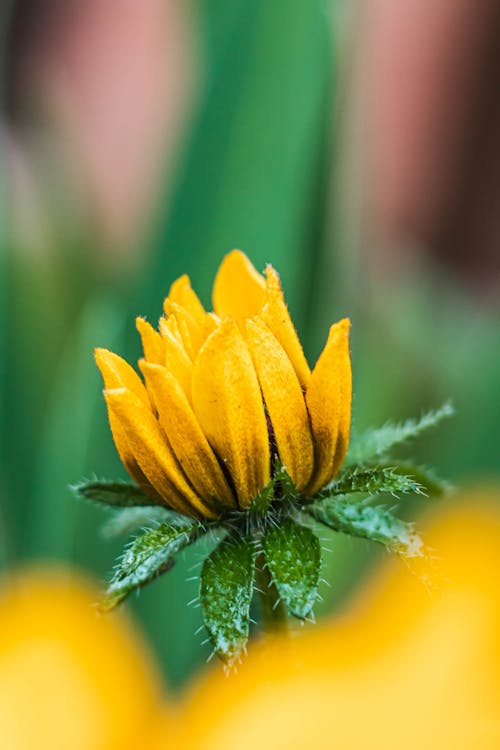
[147, 557]
[378, 442]
[283, 482]
[117, 494]
[281, 485]
[374, 480]
[431, 485]
[375, 523]
[226, 589]
[261, 502]
[124, 522]
[293, 557]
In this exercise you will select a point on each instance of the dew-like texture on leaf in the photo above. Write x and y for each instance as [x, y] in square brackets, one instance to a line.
[293, 556]
[149, 555]
[226, 587]
[369, 522]
[115, 493]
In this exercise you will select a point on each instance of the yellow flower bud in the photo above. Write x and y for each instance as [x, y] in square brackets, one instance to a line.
[225, 393]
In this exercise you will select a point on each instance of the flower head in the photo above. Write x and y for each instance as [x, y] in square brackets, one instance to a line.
[225, 394]
[229, 431]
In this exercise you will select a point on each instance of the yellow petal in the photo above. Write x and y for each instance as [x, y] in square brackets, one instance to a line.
[275, 314]
[328, 400]
[127, 457]
[152, 343]
[345, 402]
[284, 401]
[182, 293]
[193, 334]
[228, 404]
[152, 452]
[186, 437]
[176, 357]
[170, 325]
[239, 290]
[117, 373]
[212, 321]
[66, 673]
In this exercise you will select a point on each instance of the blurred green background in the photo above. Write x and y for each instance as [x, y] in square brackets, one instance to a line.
[271, 153]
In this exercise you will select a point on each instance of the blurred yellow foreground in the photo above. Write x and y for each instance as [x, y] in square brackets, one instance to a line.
[404, 667]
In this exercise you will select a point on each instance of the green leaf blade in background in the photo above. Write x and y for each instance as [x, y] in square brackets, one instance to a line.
[254, 168]
[293, 557]
[226, 589]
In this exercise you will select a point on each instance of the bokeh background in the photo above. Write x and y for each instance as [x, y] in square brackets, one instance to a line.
[354, 145]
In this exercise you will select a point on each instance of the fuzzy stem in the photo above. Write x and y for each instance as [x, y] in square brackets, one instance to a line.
[273, 610]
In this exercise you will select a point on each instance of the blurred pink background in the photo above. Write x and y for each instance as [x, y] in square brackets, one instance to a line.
[111, 84]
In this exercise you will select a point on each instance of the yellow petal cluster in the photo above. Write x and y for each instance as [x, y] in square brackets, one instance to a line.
[226, 391]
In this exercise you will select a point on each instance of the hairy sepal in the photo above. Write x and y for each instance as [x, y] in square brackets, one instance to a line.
[293, 557]
[147, 557]
[281, 486]
[117, 494]
[126, 521]
[375, 443]
[376, 523]
[226, 589]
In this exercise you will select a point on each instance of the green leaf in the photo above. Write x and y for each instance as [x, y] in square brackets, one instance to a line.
[226, 588]
[375, 523]
[378, 442]
[115, 493]
[124, 522]
[293, 556]
[148, 556]
[376, 480]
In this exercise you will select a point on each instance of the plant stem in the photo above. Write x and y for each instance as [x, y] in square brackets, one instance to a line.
[273, 610]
